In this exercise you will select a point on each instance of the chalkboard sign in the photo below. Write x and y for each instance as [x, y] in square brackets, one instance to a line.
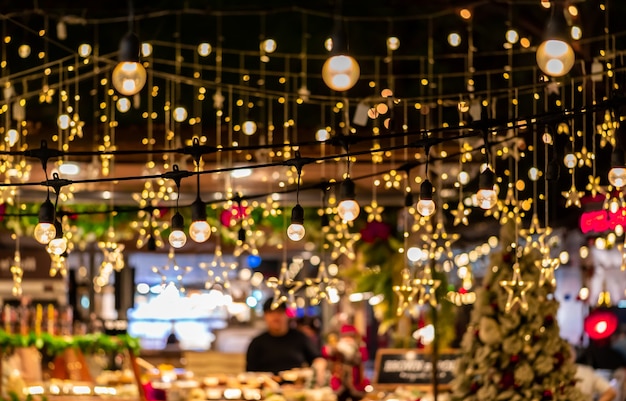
[413, 367]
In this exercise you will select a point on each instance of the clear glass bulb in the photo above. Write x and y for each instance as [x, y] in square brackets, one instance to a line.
[570, 160]
[295, 231]
[340, 72]
[617, 176]
[426, 207]
[177, 238]
[348, 209]
[58, 246]
[555, 57]
[45, 232]
[487, 198]
[128, 77]
[200, 231]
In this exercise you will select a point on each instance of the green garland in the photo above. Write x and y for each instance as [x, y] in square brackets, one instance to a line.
[54, 345]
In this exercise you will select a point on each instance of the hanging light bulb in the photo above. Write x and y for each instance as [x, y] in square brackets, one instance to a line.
[617, 173]
[177, 237]
[180, 114]
[340, 71]
[129, 75]
[555, 55]
[348, 209]
[45, 230]
[296, 230]
[58, 245]
[249, 127]
[426, 205]
[486, 195]
[199, 230]
[204, 49]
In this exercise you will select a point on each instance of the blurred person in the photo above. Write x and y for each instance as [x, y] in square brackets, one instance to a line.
[281, 347]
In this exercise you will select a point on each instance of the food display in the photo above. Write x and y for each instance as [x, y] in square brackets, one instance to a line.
[289, 385]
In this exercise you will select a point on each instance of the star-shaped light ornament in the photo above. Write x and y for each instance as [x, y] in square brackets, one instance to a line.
[17, 273]
[585, 157]
[593, 186]
[322, 287]
[516, 288]
[374, 211]
[172, 272]
[547, 266]
[405, 291]
[341, 239]
[217, 270]
[284, 288]
[535, 236]
[426, 287]
[58, 265]
[440, 243]
[460, 214]
[509, 209]
[573, 196]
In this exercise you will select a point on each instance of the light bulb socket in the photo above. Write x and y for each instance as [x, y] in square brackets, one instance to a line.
[340, 41]
[59, 228]
[426, 190]
[198, 210]
[553, 170]
[46, 212]
[486, 179]
[130, 48]
[178, 222]
[347, 189]
[324, 220]
[408, 199]
[297, 214]
[617, 157]
[557, 29]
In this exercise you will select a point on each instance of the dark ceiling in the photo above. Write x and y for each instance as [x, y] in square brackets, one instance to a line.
[300, 28]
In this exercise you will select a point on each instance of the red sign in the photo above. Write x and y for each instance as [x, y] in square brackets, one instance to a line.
[602, 220]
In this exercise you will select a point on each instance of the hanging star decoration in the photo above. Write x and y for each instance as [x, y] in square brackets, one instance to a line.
[585, 157]
[322, 286]
[17, 273]
[374, 211]
[547, 266]
[58, 265]
[217, 270]
[112, 256]
[405, 291]
[341, 239]
[440, 242]
[572, 197]
[172, 272]
[460, 214]
[284, 287]
[593, 186]
[516, 288]
[535, 236]
[509, 209]
[426, 287]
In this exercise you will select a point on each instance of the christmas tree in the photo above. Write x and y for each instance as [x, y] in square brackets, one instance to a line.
[512, 349]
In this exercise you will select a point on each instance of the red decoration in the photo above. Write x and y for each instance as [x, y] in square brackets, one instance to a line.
[230, 217]
[508, 379]
[514, 358]
[602, 220]
[600, 324]
[547, 395]
[375, 230]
